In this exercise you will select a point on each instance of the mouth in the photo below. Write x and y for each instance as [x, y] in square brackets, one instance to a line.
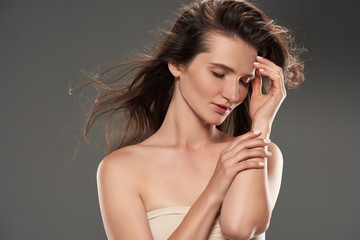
[222, 108]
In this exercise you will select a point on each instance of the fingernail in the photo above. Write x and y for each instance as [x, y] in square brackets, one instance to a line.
[266, 140]
[256, 131]
[259, 57]
[261, 70]
[268, 153]
[261, 163]
[256, 63]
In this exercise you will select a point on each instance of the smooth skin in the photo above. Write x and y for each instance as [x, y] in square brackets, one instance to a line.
[188, 162]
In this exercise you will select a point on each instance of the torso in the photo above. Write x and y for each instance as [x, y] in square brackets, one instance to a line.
[169, 176]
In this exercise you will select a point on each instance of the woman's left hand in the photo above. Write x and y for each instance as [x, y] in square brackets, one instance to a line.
[263, 107]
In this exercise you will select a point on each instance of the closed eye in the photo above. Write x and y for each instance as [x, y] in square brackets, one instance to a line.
[245, 84]
[246, 81]
[218, 75]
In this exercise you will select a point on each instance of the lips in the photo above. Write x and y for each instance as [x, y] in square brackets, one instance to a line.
[221, 108]
[224, 106]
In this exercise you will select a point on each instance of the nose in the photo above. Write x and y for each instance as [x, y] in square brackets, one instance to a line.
[231, 91]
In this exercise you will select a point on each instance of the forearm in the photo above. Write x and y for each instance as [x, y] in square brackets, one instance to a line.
[199, 219]
[246, 207]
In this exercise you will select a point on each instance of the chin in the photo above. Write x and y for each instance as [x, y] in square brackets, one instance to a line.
[213, 118]
[216, 120]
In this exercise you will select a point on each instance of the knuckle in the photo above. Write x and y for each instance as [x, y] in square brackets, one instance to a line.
[243, 165]
[227, 164]
[261, 141]
[249, 164]
[260, 152]
[240, 138]
[245, 152]
[222, 152]
[241, 146]
[255, 152]
[225, 156]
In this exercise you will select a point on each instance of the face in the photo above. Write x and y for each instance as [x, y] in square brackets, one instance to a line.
[218, 78]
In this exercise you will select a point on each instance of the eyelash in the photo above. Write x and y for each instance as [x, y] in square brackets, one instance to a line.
[222, 76]
[218, 75]
[246, 84]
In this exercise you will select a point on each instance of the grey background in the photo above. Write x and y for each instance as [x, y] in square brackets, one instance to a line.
[45, 44]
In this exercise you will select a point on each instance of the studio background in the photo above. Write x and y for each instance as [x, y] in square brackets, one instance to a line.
[45, 44]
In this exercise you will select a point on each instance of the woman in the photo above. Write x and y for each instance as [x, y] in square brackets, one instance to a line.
[195, 160]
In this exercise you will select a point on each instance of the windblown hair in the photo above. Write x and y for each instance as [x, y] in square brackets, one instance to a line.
[144, 100]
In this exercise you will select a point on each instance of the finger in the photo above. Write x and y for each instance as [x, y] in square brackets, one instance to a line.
[251, 153]
[268, 62]
[253, 143]
[257, 84]
[248, 135]
[244, 165]
[265, 61]
[267, 67]
[276, 80]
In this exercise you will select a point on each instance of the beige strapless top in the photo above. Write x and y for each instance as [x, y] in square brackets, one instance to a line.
[164, 221]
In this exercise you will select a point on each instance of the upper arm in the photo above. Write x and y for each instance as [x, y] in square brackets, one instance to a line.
[274, 171]
[122, 210]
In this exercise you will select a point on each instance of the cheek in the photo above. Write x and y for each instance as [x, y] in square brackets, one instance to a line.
[199, 85]
[243, 94]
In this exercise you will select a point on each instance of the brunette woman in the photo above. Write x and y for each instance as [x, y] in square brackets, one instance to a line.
[194, 159]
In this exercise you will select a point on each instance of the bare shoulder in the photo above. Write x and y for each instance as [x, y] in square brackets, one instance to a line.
[120, 156]
[122, 167]
[123, 161]
[121, 206]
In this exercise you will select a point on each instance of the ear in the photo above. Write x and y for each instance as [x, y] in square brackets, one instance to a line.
[175, 69]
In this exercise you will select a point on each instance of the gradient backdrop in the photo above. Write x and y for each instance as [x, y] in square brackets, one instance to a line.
[45, 44]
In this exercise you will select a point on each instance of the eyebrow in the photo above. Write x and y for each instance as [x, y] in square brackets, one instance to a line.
[230, 69]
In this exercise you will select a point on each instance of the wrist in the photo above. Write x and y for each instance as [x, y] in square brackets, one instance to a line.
[263, 126]
[212, 200]
[213, 195]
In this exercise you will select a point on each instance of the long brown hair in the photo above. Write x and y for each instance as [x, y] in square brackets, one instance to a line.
[143, 102]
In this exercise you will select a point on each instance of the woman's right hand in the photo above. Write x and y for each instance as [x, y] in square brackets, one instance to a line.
[236, 157]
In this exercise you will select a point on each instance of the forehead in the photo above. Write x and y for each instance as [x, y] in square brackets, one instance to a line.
[230, 51]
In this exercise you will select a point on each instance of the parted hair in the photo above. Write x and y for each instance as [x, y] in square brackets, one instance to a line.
[140, 90]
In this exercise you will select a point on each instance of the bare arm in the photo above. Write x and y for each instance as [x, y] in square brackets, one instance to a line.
[248, 204]
[122, 209]
[197, 222]
[123, 213]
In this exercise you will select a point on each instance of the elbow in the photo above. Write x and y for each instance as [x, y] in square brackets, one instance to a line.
[236, 234]
[244, 231]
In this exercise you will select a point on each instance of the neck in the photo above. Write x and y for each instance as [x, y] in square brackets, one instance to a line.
[183, 128]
